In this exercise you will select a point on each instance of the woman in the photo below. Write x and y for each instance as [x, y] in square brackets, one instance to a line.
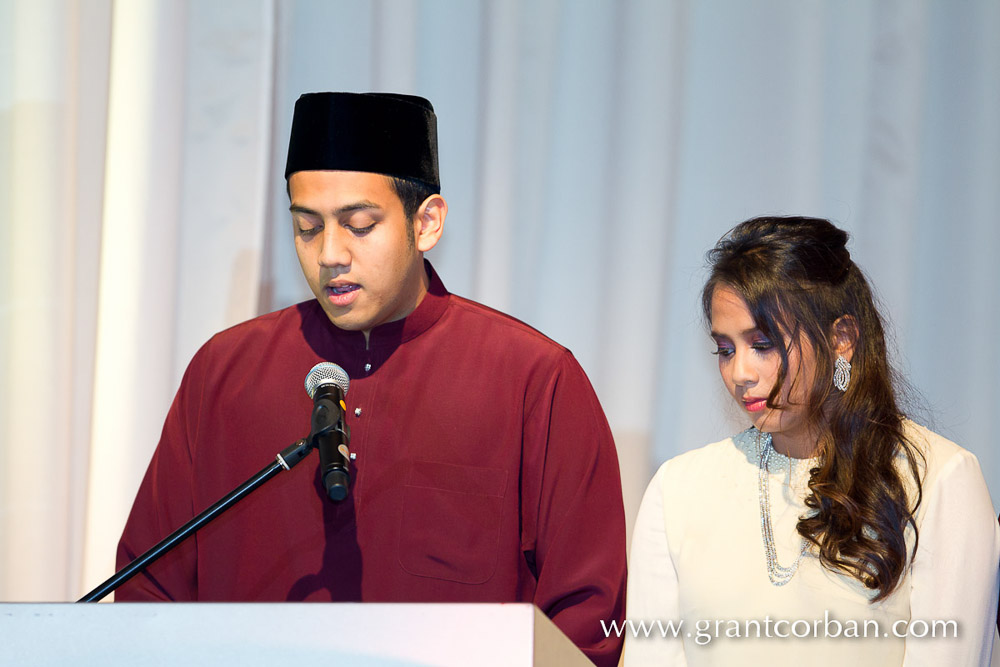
[833, 531]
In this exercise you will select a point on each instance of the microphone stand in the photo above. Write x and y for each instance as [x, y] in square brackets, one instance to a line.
[285, 460]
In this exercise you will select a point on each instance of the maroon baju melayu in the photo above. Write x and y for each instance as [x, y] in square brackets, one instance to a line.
[485, 471]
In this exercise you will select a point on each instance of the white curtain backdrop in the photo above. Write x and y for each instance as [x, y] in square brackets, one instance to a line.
[591, 152]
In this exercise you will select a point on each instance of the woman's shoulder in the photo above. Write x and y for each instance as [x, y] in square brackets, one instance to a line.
[930, 441]
[708, 462]
[941, 458]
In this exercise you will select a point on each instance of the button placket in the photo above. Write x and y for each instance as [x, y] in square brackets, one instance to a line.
[368, 368]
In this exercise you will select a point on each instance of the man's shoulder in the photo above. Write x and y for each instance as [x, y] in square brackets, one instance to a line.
[489, 323]
[261, 330]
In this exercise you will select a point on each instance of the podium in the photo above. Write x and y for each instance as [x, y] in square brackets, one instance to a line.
[284, 633]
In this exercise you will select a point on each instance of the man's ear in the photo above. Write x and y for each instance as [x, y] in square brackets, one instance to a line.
[844, 336]
[429, 222]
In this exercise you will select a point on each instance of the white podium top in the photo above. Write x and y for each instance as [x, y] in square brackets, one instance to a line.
[252, 634]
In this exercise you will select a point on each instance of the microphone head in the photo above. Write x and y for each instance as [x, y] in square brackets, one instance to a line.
[326, 373]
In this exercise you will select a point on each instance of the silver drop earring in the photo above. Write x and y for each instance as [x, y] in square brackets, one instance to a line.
[841, 373]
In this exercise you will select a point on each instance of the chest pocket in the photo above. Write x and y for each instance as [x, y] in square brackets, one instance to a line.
[450, 523]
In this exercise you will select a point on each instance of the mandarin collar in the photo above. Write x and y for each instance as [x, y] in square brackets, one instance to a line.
[430, 310]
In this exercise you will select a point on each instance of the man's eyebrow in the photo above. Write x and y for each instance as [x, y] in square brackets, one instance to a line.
[347, 208]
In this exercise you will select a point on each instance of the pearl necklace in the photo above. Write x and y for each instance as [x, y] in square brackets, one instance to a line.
[777, 573]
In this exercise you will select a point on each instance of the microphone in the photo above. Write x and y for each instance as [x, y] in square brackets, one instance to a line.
[327, 385]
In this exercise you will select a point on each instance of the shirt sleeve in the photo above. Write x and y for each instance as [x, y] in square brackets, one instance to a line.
[575, 539]
[652, 588]
[164, 503]
[954, 571]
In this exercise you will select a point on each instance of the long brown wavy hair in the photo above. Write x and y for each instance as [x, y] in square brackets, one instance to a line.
[797, 278]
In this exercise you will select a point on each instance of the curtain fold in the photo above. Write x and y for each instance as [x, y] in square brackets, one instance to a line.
[53, 96]
[137, 296]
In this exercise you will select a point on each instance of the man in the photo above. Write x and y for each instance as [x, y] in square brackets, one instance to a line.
[484, 471]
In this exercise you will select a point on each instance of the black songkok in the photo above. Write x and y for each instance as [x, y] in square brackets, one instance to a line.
[384, 133]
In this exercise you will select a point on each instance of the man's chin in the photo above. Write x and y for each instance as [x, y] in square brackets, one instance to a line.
[348, 321]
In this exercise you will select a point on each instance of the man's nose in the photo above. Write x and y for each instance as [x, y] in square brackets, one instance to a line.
[335, 251]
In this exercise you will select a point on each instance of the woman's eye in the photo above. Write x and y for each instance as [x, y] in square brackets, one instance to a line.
[762, 345]
[723, 351]
[312, 231]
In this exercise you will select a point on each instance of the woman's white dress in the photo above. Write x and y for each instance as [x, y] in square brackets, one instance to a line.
[697, 558]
